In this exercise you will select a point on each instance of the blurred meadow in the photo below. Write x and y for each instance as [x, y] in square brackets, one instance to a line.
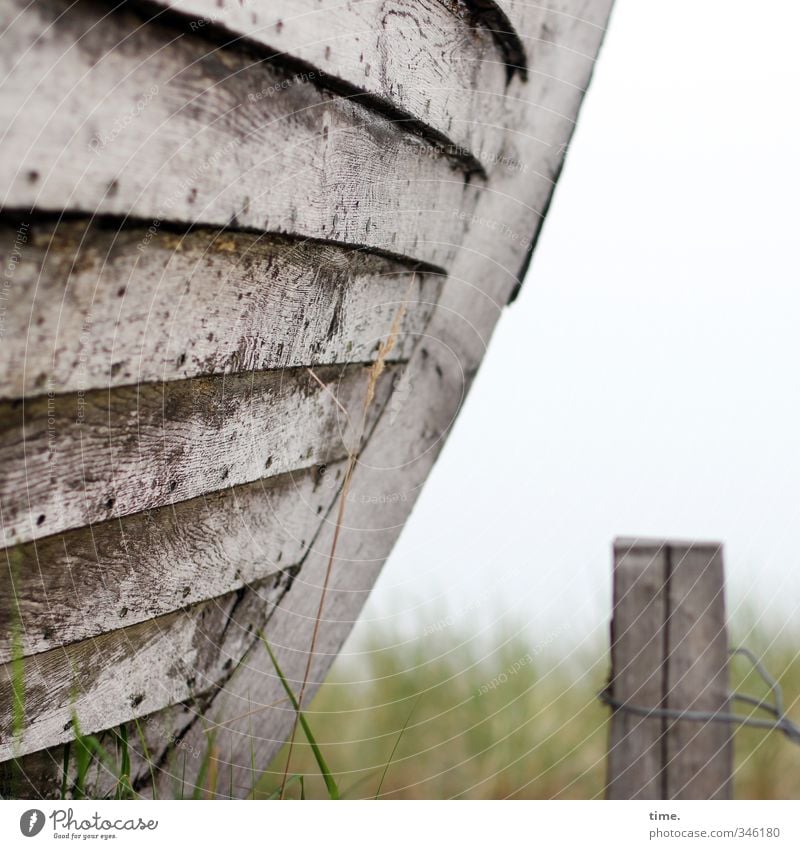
[509, 720]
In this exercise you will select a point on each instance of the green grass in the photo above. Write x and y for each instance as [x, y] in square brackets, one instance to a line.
[486, 724]
[493, 724]
[767, 765]
[441, 717]
[324, 770]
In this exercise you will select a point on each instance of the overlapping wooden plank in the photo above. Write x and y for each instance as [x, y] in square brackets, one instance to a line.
[80, 584]
[441, 68]
[385, 485]
[404, 445]
[136, 670]
[139, 120]
[97, 308]
[562, 40]
[74, 460]
[525, 18]
[492, 15]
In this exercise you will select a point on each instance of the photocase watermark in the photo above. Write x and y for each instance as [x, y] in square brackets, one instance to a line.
[377, 498]
[151, 231]
[215, 17]
[65, 825]
[99, 141]
[185, 186]
[495, 226]
[32, 822]
[489, 159]
[51, 419]
[510, 672]
[325, 481]
[179, 743]
[518, 665]
[82, 371]
[12, 261]
[445, 623]
[270, 90]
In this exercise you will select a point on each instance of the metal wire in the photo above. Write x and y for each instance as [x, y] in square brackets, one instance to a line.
[776, 707]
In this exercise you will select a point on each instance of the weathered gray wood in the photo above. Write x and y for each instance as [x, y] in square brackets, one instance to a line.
[90, 310]
[137, 670]
[635, 754]
[494, 17]
[533, 21]
[80, 584]
[73, 460]
[140, 121]
[437, 64]
[669, 651]
[399, 454]
[700, 754]
[405, 443]
[562, 40]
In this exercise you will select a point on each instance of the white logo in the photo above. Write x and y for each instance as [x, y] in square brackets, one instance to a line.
[31, 822]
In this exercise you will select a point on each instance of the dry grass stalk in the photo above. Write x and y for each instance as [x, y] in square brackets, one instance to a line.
[375, 372]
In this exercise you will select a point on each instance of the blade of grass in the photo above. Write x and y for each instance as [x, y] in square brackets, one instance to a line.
[276, 794]
[348, 794]
[17, 656]
[208, 770]
[327, 775]
[213, 772]
[17, 675]
[65, 768]
[124, 787]
[81, 762]
[252, 755]
[98, 752]
[82, 759]
[250, 713]
[197, 792]
[352, 460]
[396, 744]
[146, 753]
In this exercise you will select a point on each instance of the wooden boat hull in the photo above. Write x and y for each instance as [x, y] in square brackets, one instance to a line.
[253, 257]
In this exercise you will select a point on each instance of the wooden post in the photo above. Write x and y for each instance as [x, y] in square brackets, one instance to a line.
[669, 650]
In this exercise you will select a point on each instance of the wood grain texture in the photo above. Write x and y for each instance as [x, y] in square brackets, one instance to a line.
[72, 586]
[699, 754]
[141, 121]
[406, 443]
[669, 650]
[431, 65]
[491, 15]
[97, 308]
[73, 460]
[562, 40]
[136, 670]
[522, 16]
[500, 231]
[635, 753]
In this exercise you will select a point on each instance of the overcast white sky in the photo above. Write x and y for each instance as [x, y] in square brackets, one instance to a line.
[659, 324]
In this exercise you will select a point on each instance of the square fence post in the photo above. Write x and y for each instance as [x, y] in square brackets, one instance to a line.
[669, 649]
